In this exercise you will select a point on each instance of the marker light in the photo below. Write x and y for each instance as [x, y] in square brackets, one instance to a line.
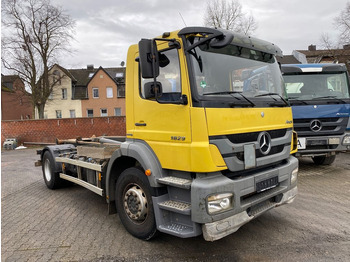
[294, 176]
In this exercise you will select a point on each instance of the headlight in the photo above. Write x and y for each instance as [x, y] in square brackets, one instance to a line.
[346, 140]
[294, 176]
[220, 202]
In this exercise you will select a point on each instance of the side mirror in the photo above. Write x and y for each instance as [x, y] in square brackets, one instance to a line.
[153, 90]
[149, 58]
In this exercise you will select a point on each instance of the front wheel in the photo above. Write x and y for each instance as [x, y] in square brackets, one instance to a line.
[134, 204]
[323, 160]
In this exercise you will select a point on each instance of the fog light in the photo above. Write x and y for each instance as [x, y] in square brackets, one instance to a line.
[334, 141]
[220, 202]
[294, 176]
[346, 140]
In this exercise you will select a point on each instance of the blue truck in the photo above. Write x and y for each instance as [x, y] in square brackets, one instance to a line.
[319, 96]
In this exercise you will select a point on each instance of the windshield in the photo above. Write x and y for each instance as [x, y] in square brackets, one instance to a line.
[317, 86]
[238, 73]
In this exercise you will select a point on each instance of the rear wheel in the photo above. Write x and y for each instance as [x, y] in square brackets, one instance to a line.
[323, 160]
[134, 204]
[52, 178]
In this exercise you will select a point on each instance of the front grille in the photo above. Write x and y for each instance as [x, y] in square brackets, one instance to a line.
[251, 137]
[232, 148]
[274, 150]
[330, 126]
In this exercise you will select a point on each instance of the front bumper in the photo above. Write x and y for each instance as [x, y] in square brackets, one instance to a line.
[322, 145]
[248, 202]
[219, 229]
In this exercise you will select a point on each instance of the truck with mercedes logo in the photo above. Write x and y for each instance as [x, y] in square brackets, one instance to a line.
[209, 138]
[319, 95]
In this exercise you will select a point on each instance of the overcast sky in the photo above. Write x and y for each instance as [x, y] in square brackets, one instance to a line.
[105, 28]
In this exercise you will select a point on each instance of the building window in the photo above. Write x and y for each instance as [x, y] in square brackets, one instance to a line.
[58, 114]
[121, 91]
[119, 75]
[95, 93]
[117, 111]
[104, 112]
[90, 112]
[72, 113]
[64, 93]
[109, 91]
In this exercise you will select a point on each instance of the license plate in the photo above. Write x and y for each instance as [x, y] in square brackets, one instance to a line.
[267, 184]
[301, 142]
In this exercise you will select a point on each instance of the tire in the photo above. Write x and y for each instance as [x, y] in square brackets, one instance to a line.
[52, 179]
[133, 198]
[323, 160]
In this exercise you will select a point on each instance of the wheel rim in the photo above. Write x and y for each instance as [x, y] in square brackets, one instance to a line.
[135, 203]
[47, 170]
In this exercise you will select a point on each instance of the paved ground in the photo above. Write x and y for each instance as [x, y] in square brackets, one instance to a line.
[71, 224]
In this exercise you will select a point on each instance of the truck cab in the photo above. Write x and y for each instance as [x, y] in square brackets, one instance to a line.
[319, 95]
[212, 113]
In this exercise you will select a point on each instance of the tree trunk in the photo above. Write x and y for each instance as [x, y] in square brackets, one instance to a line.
[41, 111]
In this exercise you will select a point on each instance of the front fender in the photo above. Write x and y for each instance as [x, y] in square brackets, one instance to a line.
[139, 151]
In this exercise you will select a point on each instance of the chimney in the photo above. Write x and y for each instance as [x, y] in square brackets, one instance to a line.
[312, 48]
[90, 67]
[346, 47]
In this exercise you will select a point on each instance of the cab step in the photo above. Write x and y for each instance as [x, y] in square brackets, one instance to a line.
[175, 182]
[176, 206]
[177, 229]
[174, 217]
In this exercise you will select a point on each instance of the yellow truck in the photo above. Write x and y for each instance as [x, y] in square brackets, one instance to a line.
[209, 138]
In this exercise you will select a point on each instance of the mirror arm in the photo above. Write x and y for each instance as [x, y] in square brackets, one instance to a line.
[153, 50]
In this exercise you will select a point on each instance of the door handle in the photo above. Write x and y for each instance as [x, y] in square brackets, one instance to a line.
[140, 124]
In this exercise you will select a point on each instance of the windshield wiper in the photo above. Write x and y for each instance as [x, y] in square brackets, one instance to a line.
[333, 97]
[294, 100]
[231, 93]
[274, 94]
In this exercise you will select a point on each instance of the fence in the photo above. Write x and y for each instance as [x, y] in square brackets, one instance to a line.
[47, 130]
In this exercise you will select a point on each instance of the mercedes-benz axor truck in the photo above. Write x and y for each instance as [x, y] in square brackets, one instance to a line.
[209, 138]
[319, 95]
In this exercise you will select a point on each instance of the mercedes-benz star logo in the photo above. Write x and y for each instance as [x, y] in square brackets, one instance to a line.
[264, 140]
[315, 125]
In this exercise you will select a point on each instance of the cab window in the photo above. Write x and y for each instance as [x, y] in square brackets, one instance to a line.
[169, 76]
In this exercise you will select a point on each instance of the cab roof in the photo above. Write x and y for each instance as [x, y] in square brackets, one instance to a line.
[237, 39]
[312, 68]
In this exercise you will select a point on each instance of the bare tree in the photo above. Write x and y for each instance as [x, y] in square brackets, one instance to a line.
[34, 34]
[229, 15]
[343, 24]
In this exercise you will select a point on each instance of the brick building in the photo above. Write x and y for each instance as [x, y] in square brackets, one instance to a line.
[87, 92]
[106, 93]
[15, 101]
